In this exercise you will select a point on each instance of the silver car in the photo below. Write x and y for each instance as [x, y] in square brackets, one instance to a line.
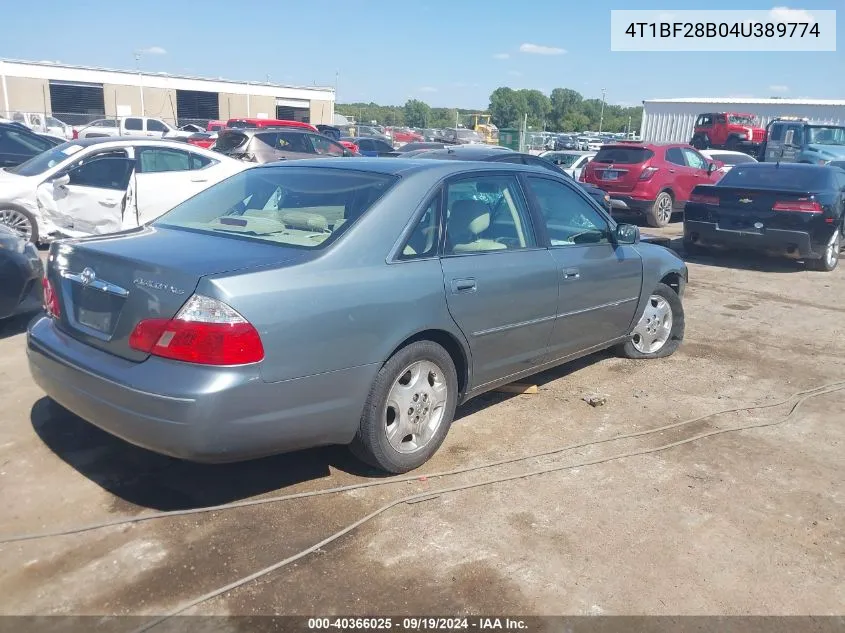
[343, 302]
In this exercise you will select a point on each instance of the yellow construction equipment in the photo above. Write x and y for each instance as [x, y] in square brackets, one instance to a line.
[483, 125]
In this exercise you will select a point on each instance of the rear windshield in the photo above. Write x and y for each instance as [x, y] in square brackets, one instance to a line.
[774, 177]
[623, 155]
[291, 206]
[228, 141]
[732, 159]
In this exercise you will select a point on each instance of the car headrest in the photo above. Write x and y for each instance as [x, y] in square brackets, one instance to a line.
[472, 216]
[305, 221]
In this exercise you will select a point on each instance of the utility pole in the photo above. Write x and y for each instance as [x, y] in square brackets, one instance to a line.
[140, 81]
[601, 116]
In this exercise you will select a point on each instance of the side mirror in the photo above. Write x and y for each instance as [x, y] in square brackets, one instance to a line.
[347, 152]
[61, 181]
[627, 234]
[711, 167]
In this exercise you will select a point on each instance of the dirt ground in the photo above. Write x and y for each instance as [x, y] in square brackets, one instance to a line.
[751, 522]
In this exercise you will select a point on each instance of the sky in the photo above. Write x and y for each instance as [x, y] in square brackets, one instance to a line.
[448, 53]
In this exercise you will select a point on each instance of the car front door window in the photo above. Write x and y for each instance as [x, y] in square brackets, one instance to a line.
[694, 159]
[106, 170]
[570, 219]
[325, 146]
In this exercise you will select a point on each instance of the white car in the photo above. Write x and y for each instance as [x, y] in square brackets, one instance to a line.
[728, 158]
[571, 162]
[130, 126]
[41, 124]
[102, 185]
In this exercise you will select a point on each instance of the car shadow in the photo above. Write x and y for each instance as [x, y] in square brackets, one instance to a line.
[150, 480]
[15, 325]
[740, 260]
[492, 398]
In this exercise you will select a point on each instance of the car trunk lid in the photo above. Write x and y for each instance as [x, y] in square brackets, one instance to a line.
[105, 286]
[756, 210]
[617, 167]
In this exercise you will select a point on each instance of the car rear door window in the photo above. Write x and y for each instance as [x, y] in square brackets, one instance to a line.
[133, 124]
[423, 241]
[294, 142]
[675, 156]
[325, 146]
[570, 219]
[365, 145]
[486, 213]
[161, 159]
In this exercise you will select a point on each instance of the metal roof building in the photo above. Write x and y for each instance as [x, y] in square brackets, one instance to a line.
[672, 120]
[79, 94]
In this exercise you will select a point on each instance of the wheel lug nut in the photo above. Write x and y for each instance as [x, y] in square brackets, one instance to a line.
[416, 397]
[411, 411]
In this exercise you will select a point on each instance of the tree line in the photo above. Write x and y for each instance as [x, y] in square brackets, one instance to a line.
[564, 110]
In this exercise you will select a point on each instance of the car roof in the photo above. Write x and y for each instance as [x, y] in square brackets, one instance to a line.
[401, 166]
[270, 128]
[133, 140]
[466, 152]
[786, 166]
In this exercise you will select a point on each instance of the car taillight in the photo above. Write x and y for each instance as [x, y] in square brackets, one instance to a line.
[647, 173]
[205, 331]
[51, 300]
[801, 206]
[704, 199]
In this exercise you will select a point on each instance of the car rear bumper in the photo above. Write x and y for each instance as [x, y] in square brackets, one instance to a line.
[794, 244]
[628, 203]
[198, 413]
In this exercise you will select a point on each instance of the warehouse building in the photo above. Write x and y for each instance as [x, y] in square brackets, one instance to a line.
[78, 95]
[672, 120]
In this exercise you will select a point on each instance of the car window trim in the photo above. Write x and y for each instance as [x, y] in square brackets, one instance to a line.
[395, 254]
[537, 214]
[532, 221]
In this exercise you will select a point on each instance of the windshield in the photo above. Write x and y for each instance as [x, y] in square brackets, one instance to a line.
[48, 159]
[743, 119]
[563, 160]
[826, 135]
[291, 206]
[773, 177]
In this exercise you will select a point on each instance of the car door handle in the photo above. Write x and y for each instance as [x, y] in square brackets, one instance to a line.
[671, 171]
[108, 202]
[464, 285]
[199, 179]
[571, 273]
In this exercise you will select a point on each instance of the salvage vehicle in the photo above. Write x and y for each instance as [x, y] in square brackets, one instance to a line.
[272, 144]
[20, 274]
[44, 124]
[651, 179]
[735, 131]
[127, 126]
[343, 302]
[726, 159]
[497, 154]
[787, 209]
[570, 162]
[101, 185]
[18, 144]
[798, 140]
[244, 124]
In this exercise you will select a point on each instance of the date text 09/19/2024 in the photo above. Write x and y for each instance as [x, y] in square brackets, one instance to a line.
[416, 623]
[723, 29]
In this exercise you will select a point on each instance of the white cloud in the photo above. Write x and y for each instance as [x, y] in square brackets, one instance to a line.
[153, 50]
[536, 49]
[514, 73]
[785, 14]
[779, 88]
[501, 56]
[428, 89]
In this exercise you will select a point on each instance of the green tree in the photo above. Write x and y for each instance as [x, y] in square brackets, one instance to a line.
[539, 106]
[565, 101]
[507, 106]
[417, 113]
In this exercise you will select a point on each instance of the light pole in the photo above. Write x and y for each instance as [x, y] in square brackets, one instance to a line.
[601, 116]
[140, 80]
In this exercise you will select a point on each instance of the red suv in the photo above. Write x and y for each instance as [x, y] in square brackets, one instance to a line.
[651, 179]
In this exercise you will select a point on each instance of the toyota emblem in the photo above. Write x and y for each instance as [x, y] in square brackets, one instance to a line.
[88, 276]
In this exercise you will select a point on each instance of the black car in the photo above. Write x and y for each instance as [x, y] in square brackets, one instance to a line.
[370, 146]
[18, 144]
[565, 142]
[20, 275]
[789, 209]
[489, 153]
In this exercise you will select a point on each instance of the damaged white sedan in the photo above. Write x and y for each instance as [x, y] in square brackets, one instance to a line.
[100, 185]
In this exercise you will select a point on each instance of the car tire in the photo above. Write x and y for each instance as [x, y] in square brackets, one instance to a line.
[419, 382]
[699, 142]
[665, 336]
[830, 260]
[660, 213]
[732, 144]
[20, 221]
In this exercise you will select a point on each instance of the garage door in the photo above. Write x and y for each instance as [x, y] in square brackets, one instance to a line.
[293, 114]
[198, 107]
[76, 103]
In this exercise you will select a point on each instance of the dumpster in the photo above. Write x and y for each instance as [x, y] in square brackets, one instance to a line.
[510, 137]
